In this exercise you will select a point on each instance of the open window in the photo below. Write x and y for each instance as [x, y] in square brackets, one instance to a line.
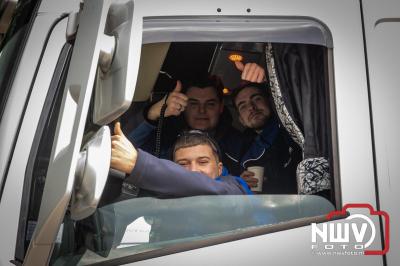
[299, 67]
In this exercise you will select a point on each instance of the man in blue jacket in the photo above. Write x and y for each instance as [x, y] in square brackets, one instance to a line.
[192, 105]
[269, 144]
[196, 170]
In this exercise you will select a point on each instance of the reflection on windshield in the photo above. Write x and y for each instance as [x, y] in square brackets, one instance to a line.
[143, 224]
[7, 60]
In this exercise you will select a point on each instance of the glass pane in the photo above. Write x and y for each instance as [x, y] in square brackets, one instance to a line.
[144, 224]
[12, 44]
[7, 59]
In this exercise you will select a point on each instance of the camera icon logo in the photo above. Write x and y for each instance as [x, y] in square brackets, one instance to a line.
[352, 236]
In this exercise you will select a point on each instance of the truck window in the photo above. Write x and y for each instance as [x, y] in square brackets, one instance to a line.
[298, 94]
[122, 229]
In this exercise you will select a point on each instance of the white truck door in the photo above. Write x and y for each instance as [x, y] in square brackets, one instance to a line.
[382, 30]
[102, 47]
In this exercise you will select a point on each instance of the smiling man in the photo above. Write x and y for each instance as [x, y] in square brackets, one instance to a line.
[204, 107]
[254, 112]
[269, 144]
[197, 169]
[200, 104]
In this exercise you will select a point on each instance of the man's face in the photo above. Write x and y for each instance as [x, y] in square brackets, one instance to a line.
[253, 108]
[203, 109]
[200, 158]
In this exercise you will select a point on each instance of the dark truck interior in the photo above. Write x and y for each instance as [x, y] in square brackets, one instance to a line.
[187, 61]
[301, 101]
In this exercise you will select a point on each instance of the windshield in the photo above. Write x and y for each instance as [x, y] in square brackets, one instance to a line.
[12, 45]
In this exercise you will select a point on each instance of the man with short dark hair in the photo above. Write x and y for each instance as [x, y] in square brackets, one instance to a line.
[197, 169]
[200, 103]
[269, 145]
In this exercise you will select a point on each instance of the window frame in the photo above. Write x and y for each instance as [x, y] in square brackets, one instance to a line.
[292, 224]
[177, 26]
[154, 25]
[55, 90]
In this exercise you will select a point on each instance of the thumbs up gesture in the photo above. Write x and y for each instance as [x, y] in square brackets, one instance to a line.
[176, 104]
[251, 72]
[123, 154]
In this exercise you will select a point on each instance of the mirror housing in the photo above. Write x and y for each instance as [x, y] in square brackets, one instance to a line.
[118, 64]
[91, 174]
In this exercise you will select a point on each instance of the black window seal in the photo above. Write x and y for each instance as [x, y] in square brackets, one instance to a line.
[371, 118]
[4, 179]
[182, 247]
[55, 88]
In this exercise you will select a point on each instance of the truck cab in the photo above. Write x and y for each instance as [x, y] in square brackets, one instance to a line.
[70, 69]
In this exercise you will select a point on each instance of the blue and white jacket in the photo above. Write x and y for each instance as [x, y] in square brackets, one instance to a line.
[167, 179]
[278, 154]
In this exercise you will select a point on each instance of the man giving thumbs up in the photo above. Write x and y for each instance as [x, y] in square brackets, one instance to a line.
[198, 173]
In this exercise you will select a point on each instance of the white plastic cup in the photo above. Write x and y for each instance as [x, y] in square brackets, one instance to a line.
[259, 174]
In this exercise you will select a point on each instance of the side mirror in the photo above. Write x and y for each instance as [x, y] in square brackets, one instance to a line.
[118, 63]
[99, 46]
[91, 174]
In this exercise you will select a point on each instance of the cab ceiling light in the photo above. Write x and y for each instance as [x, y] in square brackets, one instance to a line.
[235, 57]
